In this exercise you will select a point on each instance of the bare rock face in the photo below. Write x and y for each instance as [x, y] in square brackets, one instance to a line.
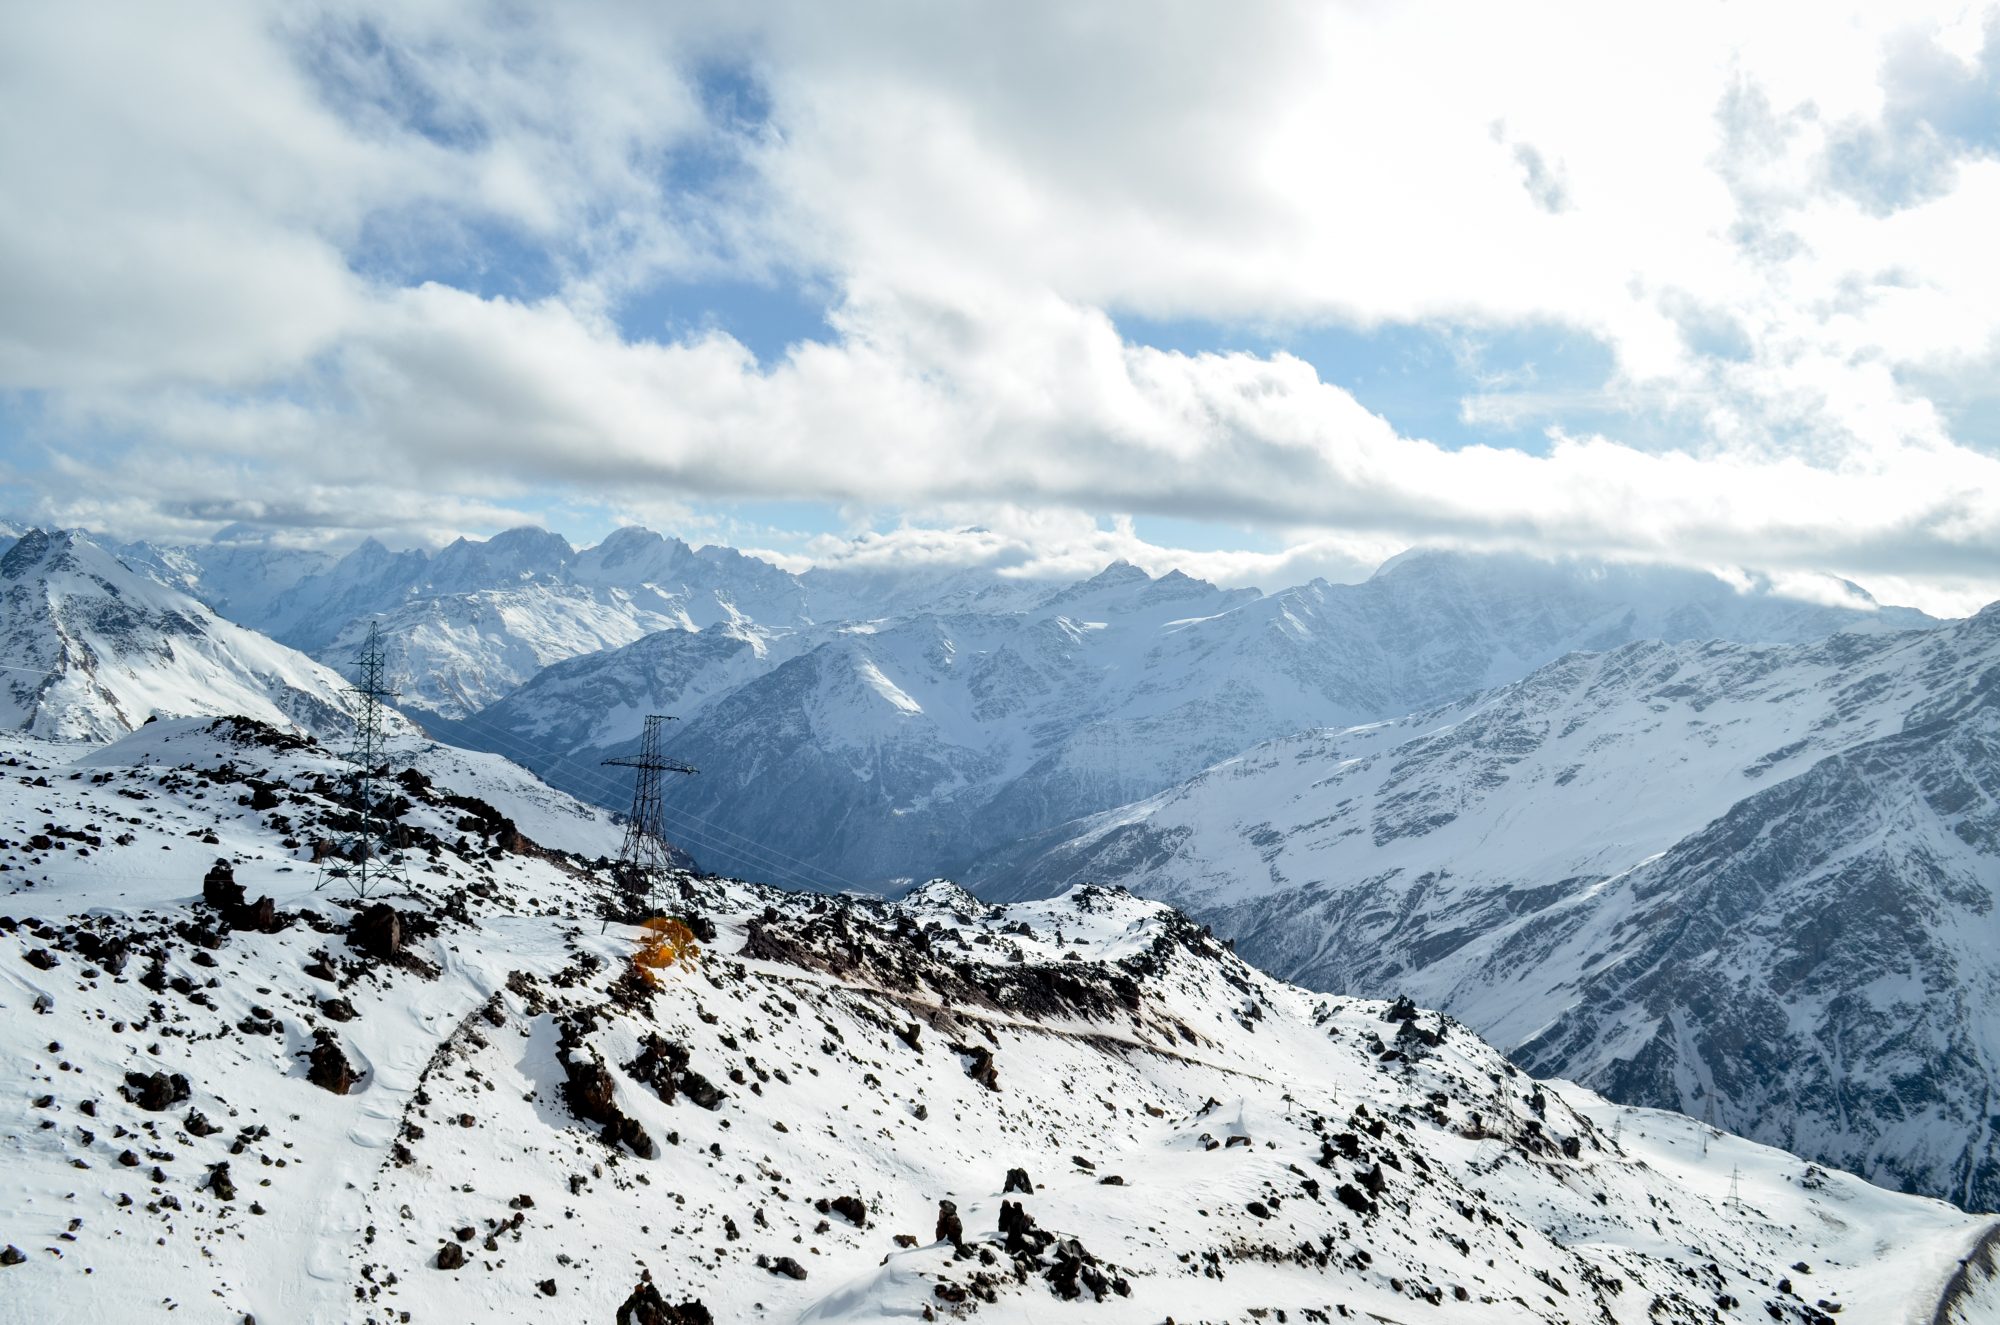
[451, 1256]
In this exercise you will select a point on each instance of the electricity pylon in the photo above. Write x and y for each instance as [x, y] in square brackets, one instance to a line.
[645, 858]
[363, 861]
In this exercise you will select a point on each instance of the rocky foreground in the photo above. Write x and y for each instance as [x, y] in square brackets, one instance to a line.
[233, 1096]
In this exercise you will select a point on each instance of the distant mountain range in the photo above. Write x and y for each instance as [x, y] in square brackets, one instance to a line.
[927, 741]
[1695, 842]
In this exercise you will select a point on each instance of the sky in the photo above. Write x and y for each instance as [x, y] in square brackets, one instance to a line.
[1260, 290]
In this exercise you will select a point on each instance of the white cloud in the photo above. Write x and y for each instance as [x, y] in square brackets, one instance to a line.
[212, 251]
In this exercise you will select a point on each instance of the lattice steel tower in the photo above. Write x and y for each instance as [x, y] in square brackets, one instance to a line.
[645, 858]
[365, 861]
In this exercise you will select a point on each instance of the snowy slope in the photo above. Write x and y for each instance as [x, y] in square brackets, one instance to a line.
[1753, 880]
[770, 1134]
[922, 743]
[92, 648]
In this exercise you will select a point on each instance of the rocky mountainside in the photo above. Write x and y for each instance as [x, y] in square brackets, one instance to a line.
[926, 742]
[1755, 883]
[91, 648]
[235, 1096]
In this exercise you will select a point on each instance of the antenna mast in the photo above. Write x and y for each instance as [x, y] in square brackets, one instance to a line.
[360, 864]
[645, 858]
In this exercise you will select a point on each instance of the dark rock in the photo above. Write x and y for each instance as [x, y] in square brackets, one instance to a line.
[337, 1009]
[329, 1068]
[155, 1092]
[784, 1265]
[1017, 1181]
[11, 1255]
[451, 1256]
[949, 1227]
[547, 1287]
[378, 931]
[701, 1091]
[646, 1307]
[41, 959]
[851, 1208]
[218, 1181]
[1354, 1200]
[981, 1067]
[219, 887]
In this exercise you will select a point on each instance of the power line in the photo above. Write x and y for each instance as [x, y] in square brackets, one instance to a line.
[717, 836]
[758, 853]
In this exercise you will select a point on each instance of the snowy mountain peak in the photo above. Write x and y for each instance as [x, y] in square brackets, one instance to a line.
[93, 648]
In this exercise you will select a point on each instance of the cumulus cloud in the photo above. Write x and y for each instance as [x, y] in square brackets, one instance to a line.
[267, 255]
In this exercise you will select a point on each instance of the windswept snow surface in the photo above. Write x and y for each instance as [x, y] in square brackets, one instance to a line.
[773, 1129]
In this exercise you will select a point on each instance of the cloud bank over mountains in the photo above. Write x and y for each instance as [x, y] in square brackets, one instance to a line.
[416, 270]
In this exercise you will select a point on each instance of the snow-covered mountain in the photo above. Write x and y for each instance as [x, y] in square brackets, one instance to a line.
[1752, 881]
[235, 1096]
[237, 580]
[474, 621]
[90, 648]
[922, 743]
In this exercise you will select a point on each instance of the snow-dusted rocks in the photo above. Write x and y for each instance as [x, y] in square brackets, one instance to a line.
[816, 1121]
[90, 648]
